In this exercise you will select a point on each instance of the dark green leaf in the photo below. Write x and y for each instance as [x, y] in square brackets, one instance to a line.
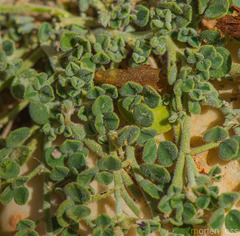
[77, 213]
[21, 195]
[232, 221]
[68, 40]
[8, 46]
[77, 160]
[228, 149]
[101, 105]
[104, 178]
[16, 137]
[59, 173]
[155, 172]
[130, 88]
[129, 135]
[150, 188]
[167, 153]
[217, 219]
[150, 151]
[103, 220]
[143, 115]
[25, 225]
[77, 192]
[9, 169]
[109, 163]
[215, 134]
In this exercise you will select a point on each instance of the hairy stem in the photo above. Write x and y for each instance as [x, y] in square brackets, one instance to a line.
[30, 8]
[178, 179]
[203, 148]
[47, 196]
[95, 147]
[118, 185]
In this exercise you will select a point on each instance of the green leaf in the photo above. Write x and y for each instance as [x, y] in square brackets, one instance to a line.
[104, 178]
[103, 220]
[129, 135]
[167, 153]
[39, 113]
[101, 58]
[44, 32]
[86, 176]
[61, 213]
[161, 115]
[58, 173]
[232, 221]
[78, 212]
[78, 131]
[164, 205]
[202, 5]
[150, 188]
[228, 199]
[52, 159]
[215, 134]
[8, 46]
[102, 104]
[21, 195]
[217, 219]
[99, 124]
[9, 169]
[31, 94]
[69, 232]
[212, 37]
[143, 115]
[237, 156]
[226, 64]
[77, 192]
[46, 94]
[95, 92]
[72, 69]
[155, 172]
[6, 195]
[189, 211]
[185, 230]
[172, 73]
[110, 90]
[77, 160]
[17, 136]
[25, 224]
[130, 88]
[203, 202]
[146, 134]
[142, 15]
[228, 149]
[187, 85]
[109, 163]
[150, 151]
[68, 40]
[151, 97]
[194, 107]
[111, 120]
[216, 9]
[70, 146]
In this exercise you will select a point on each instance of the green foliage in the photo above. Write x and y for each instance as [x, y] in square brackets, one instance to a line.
[149, 151]
[217, 219]
[228, 149]
[232, 221]
[167, 153]
[77, 192]
[216, 9]
[155, 172]
[215, 134]
[109, 163]
[104, 178]
[21, 195]
[67, 77]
